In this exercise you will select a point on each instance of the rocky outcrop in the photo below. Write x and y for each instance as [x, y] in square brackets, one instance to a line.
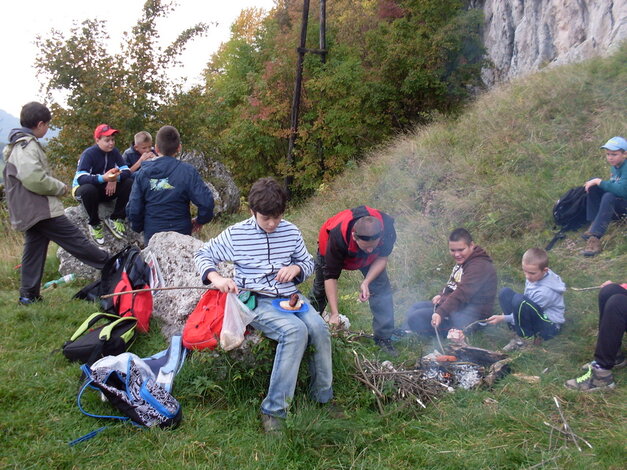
[523, 36]
[174, 254]
[78, 216]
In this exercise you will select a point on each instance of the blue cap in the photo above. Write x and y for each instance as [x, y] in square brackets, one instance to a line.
[615, 143]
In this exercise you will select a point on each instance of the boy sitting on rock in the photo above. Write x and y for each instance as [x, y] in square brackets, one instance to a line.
[539, 312]
[102, 175]
[271, 259]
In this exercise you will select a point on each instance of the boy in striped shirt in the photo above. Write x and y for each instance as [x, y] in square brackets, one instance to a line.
[270, 257]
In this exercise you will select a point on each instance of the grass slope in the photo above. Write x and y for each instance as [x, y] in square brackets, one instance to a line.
[497, 170]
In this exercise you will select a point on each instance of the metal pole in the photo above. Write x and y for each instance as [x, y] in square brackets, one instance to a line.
[297, 90]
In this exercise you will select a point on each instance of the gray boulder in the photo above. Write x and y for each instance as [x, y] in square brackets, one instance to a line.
[226, 194]
[174, 254]
[69, 264]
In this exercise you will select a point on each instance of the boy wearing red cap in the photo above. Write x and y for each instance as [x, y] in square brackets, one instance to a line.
[103, 175]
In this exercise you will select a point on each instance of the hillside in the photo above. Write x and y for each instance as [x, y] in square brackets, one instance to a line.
[496, 170]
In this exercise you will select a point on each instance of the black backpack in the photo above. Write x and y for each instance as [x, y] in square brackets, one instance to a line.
[114, 336]
[127, 261]
[569, 213]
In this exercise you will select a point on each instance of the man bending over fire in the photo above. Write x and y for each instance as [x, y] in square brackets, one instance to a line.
[360, 238]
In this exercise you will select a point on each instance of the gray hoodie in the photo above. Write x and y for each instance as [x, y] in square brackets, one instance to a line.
[548, 293]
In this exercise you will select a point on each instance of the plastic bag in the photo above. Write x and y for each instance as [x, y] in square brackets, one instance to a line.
[236, 317]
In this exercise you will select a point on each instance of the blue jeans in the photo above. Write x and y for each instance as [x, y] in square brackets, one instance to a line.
[601, 208]
[293, 332]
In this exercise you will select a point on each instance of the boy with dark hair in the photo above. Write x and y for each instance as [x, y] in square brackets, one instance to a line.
[32, 196]
[360, 238]
[271, 259]
[162, 192]
[606, 199]
[140, 151]
[468, 295]
[539, 312]
[102, 175]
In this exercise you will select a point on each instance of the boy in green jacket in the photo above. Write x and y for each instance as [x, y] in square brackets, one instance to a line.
[32, 196]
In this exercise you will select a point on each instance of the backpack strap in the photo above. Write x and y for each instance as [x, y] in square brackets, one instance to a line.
[87, 371]
[91, 321]
[558, 236]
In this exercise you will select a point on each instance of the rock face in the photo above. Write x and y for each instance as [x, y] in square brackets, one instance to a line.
[69, 264]
[522, 36]
[226, 194]
[175, 256]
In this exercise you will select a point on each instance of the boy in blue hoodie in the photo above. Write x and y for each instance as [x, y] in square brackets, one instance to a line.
[539, 312]
[162, 191]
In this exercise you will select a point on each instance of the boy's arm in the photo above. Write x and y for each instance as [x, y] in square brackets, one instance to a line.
[214, 251]
[618, 184]
[32, 173]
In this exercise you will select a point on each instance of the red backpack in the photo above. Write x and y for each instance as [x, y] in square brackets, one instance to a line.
[203, 326]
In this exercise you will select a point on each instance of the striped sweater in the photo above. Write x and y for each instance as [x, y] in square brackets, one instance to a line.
[257, 256]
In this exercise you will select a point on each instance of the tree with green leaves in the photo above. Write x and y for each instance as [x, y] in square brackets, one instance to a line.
[125, 89]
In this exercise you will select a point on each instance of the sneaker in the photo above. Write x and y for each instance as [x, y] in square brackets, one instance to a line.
[619, 363]
[271, 424]
[515, 345]
[593, 246]
[30, 300]
[386, 346]
[97, 233]
[593, 380]
[116, 226]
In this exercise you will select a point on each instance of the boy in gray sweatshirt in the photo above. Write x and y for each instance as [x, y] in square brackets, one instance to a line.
[539, 312]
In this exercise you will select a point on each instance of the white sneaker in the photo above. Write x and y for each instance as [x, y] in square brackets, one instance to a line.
[514, 345]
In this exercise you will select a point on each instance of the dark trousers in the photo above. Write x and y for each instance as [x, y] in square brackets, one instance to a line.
[612, 325]
[601, 208]
[65, 234]
[418, 318]
[529, 319]
[381, 299]
[91, 195]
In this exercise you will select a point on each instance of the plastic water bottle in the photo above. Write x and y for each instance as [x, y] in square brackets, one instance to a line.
[62, 280]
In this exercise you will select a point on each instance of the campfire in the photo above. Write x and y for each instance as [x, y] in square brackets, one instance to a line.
[464, 367]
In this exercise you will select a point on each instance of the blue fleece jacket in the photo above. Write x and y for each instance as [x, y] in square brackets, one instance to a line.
[94, 163]
[161, 194]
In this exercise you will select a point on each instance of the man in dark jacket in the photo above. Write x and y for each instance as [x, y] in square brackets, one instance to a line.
[468, 295]
[360, 238]
[162, 192]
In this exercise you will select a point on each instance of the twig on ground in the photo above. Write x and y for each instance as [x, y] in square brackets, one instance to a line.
[586, 288]
[566, 427]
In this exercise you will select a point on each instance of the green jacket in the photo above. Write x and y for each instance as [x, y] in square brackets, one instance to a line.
[617, 184]
[31, 191]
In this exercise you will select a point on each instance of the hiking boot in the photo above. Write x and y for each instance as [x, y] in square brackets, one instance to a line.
[271, 424]
[97, 233]
[585, 235]
[386, 346]
[117, 227]
[30, 300]
[620, 362]
[593, 380]
[593, 246]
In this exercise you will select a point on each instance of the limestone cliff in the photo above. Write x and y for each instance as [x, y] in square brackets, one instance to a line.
[522, 36]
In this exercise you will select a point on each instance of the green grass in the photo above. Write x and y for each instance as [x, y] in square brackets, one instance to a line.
[497, 170]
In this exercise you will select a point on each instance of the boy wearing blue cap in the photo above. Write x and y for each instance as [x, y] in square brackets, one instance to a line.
[607, 199]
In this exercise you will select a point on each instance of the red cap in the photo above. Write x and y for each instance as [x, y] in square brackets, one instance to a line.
[104, 130]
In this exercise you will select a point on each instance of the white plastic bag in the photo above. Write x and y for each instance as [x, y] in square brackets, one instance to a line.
[236, 317]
